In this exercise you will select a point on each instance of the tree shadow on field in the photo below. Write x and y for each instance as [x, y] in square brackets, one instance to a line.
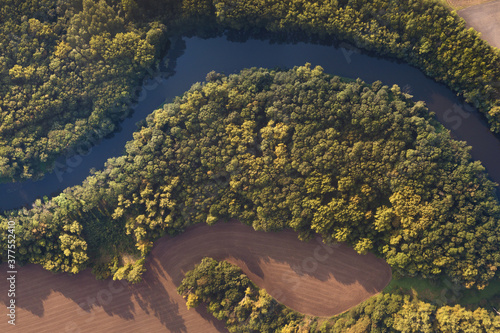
[218, 324]
[85, 299]
[276, 261]
[311, 275]
[234, 240]
[153, 298]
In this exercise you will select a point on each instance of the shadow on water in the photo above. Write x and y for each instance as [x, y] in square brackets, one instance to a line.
[73, 170]
[191, 59]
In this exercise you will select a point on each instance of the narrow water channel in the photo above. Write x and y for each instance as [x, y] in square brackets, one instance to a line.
[204, 55]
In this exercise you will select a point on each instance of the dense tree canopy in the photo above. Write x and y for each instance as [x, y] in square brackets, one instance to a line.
[423, 33]
[68, 74]
[355, 163]
[230, 296]
[69, 69]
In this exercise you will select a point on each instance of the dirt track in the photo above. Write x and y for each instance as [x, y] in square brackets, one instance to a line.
[309, 277]
[485, 18]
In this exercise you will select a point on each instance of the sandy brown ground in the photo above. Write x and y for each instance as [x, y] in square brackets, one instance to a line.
[484, 18]
[311, 277]
[460, 4]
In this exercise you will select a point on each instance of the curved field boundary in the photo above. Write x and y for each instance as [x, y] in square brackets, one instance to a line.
[485, 18]
[311, 277]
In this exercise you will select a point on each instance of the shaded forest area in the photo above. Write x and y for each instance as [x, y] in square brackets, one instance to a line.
[69, 72]
[355, 163]
[230, 296]
[70, 69]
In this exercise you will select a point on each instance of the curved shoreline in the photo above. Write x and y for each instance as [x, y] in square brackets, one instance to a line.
[201, 56]
[306, 276]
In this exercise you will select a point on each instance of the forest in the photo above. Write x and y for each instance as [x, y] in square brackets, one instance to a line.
[71, 70]
[353, 162]
[230, 296]
[69, 74]
[423, 33]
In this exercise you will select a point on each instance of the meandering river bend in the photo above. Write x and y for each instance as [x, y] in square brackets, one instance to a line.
[203, 55]
[278, 262]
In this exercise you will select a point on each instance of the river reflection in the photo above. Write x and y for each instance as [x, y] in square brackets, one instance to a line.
[204, 55]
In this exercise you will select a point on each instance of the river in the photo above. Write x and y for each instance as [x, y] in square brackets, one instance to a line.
[200, 56]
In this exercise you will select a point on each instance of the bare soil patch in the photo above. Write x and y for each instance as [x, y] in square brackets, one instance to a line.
[460, 4]
[485, 18]
[309, 277]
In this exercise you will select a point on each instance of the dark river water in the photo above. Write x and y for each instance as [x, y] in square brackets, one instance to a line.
[201, 56]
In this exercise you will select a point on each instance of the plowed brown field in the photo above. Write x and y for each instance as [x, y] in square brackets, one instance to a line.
[460, 4]
[485, 18]
[309, 277]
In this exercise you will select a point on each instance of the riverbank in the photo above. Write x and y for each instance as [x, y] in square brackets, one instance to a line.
[195, 57]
